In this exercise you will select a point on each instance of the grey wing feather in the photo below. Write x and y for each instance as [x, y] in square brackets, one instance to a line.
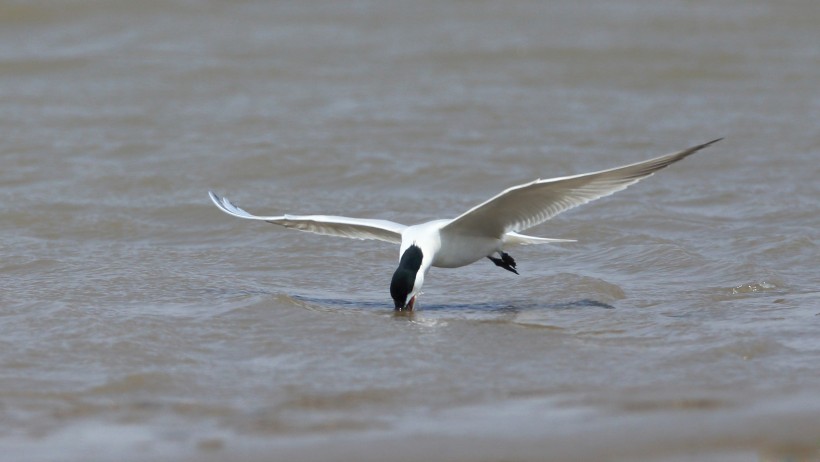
[355, 228]
[527, 205]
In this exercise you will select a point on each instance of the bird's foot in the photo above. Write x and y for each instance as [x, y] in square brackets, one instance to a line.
[506, 261]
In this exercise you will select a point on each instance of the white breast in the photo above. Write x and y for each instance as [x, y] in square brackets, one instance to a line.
[459, 251]
[446, 250]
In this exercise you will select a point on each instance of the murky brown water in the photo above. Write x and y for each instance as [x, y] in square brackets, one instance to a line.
[137, 322]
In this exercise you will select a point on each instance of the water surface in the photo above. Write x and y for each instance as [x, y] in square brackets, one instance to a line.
[137, 322]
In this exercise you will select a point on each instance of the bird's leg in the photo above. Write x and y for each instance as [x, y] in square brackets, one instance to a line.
[507, 258]
[506, 261]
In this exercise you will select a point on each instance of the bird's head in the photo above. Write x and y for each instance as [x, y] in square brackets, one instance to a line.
[407, 279]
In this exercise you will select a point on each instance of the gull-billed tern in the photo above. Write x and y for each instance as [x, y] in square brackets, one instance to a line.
[483, 231]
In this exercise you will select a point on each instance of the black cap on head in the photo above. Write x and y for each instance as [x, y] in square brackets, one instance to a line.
[405, 276]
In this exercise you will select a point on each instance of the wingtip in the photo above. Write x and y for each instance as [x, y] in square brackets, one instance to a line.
[222, 203]
[710, 143]
[687, 152]
[218, 200]
[213, 196]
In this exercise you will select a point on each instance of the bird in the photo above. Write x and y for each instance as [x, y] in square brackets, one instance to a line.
[484, 231]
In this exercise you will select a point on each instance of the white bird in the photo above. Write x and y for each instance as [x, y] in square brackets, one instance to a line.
[483, 231]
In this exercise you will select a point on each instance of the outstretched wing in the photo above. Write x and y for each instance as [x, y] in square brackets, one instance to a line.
[524, 206]
[355, 228]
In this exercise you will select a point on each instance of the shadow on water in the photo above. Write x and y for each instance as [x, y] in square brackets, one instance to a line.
[485, 308]
[517, 306]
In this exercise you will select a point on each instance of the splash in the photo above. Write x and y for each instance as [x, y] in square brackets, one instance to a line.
[753, 287]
